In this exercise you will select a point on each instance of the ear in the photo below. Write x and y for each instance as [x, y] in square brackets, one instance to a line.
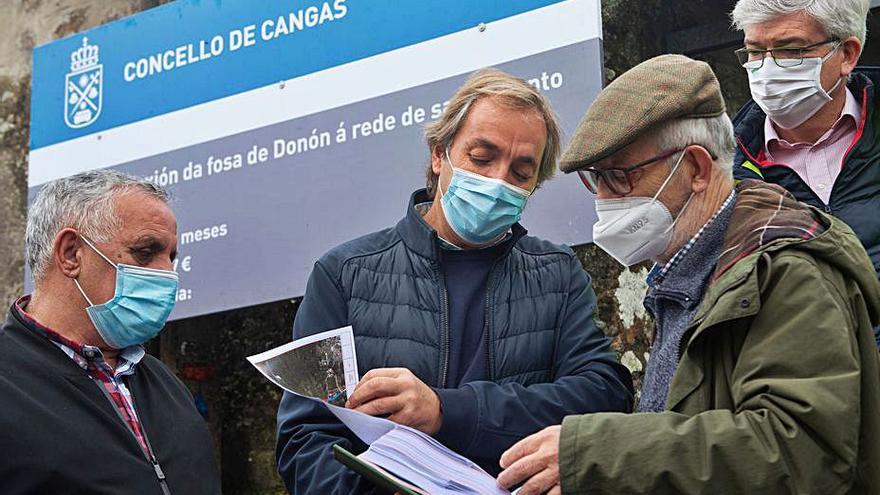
[437, 156]
[851, 49]
[702, 163]
[66, 252]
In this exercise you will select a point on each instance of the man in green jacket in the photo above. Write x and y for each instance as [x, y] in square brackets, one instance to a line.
[764, 376]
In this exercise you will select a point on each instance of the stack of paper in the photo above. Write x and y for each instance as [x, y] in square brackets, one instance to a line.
[426, 463]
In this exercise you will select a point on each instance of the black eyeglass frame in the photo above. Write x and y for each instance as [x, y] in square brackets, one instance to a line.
[743, 55]
[604, 173]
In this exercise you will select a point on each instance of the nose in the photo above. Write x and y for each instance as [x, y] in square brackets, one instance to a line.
[504, 170]
[500, 170]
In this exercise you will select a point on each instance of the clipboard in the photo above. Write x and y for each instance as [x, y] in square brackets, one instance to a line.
[375, 474]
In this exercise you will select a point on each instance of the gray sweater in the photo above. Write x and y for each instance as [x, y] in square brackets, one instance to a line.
[672, 301]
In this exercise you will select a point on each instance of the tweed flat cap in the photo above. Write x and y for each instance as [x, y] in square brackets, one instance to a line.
[657, 90]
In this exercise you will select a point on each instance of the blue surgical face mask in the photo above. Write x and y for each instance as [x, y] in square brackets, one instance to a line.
[480, 209]
[140, 307]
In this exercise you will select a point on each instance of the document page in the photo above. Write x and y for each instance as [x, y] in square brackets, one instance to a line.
[367, 428]
[322, 366]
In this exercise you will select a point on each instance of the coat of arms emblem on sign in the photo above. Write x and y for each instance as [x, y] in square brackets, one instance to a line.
[83, 86]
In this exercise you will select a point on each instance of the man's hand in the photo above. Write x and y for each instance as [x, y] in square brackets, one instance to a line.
[536, 459]
[401, 395]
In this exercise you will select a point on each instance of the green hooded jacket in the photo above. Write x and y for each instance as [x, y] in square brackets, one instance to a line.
[778, 385]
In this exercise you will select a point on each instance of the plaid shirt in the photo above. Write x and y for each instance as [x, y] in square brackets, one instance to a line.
[90, 359]
[658, 276]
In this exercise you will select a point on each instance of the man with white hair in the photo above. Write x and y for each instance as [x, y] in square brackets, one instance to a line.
[763, 377]
[85, 409]
[812, 126]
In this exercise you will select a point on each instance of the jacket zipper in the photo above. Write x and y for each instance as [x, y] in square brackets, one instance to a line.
[487, 326]
[160, 475]
[444, 327]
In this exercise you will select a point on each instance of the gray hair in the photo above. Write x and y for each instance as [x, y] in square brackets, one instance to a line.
[506, 89]
[840, 18]
[713, 133]
[84, 202]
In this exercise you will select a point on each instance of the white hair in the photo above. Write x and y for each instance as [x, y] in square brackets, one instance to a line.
[713, 133]
[840, 18]
[84, 202]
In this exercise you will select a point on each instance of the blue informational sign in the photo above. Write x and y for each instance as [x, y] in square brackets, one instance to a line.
[284, 128]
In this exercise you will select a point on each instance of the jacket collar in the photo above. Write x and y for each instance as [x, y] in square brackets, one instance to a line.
[765, 218]
[22, 329]
[82, 354]
[764, 213]
[421, 238]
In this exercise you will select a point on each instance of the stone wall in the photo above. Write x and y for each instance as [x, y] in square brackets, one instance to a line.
[239, 404]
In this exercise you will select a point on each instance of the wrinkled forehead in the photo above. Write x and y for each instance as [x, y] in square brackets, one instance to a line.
[785, 30]
[138, 211]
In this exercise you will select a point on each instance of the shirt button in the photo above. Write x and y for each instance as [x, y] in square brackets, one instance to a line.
[821, 186]
[745, 303]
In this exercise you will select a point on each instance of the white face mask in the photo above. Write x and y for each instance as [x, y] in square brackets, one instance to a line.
[789, 95]
[635, 229]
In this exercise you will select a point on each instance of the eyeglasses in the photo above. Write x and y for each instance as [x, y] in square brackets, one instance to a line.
[618, 179]
[783, 57]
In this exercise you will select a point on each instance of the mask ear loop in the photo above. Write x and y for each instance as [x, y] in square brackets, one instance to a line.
[663, 186]
[440, 187]
[439, 182]
[81, 291]
[839, 80]
[833, 87]
[668, 177]
[76, 282]
[831, 53]
[686, 203]
[96, 250]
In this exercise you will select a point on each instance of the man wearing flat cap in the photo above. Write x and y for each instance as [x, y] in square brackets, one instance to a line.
[763, 375]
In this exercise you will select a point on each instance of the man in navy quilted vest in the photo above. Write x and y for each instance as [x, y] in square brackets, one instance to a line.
[466, 328]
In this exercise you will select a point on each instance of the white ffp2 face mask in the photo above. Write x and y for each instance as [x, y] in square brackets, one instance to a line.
[635, 229]
[789, 95]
